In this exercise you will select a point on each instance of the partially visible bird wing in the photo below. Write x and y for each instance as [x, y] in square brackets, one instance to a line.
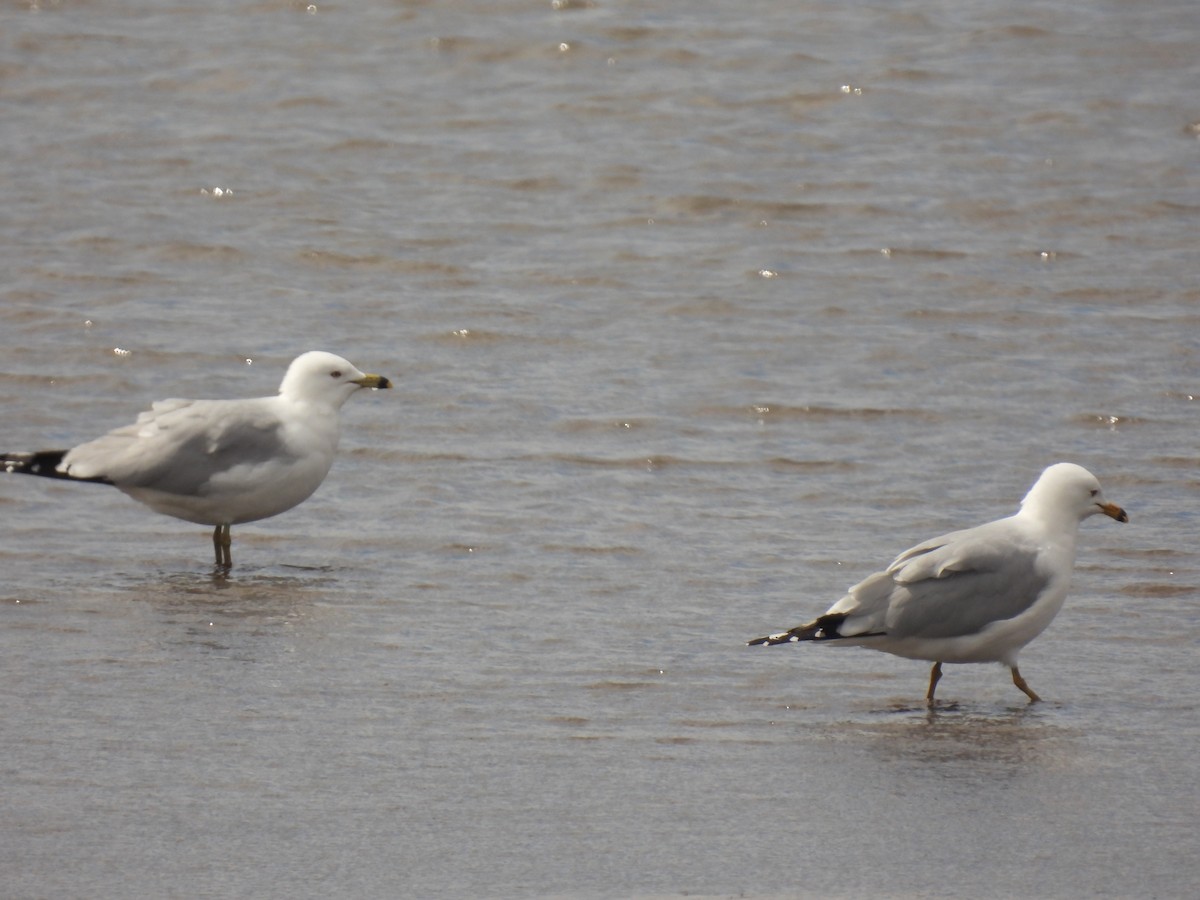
[958, 583]
[178, 446]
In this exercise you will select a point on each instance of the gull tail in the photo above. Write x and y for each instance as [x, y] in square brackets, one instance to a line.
[42, 462]
[824, 628]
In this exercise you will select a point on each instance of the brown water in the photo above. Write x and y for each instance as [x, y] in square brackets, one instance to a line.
[698, 313]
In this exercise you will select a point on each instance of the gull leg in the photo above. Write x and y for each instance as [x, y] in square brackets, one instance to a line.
[1020, 683]
[935, 675]
[222, 542]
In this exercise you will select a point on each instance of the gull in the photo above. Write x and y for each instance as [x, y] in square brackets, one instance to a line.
[220, 462]
[972, 596]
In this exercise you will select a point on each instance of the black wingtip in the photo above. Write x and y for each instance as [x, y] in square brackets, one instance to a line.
[823, 629]
[40, 462]
[44, 463]
[784, 637]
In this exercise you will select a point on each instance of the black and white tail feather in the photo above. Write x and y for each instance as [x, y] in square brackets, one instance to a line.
[823, 628]
[44, 463]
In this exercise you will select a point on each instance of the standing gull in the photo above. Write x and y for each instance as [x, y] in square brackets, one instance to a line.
[971, 596]
[220, 462]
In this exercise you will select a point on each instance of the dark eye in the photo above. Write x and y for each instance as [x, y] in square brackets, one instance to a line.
[337, 374]
[1094, 492]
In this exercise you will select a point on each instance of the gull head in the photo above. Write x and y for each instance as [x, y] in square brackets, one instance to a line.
[320, 377]
[1069, 491]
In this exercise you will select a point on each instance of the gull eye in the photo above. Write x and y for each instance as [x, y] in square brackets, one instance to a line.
[337, 374]
[1093, 492]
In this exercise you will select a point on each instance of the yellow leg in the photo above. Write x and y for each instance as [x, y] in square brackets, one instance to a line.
[1020, 682]
[222, 542]
[935, 675]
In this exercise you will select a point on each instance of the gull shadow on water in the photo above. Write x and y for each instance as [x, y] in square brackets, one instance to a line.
[968, 738]
[246, 580]
[243, 602]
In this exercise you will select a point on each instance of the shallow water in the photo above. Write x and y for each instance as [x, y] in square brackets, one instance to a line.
[697, 312]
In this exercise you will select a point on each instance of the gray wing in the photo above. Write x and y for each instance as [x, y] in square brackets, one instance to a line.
[962, 603]
[959, 583]
[180, 445]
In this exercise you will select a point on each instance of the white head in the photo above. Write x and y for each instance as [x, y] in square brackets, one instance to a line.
[1069, 491]
[320, 377]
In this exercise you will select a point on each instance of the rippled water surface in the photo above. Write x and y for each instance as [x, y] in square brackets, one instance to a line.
[698, 311]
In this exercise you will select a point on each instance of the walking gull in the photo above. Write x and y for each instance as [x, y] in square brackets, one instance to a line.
[971, 596]
[220, 462]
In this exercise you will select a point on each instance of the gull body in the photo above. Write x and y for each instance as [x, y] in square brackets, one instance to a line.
[972, 596]
[221, 462]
